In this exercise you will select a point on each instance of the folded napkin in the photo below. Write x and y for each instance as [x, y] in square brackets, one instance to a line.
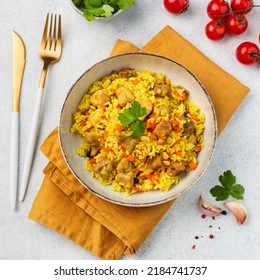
[109, 230]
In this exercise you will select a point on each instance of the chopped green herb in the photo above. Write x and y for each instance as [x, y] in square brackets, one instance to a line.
[229, 187]
[102, 8]
[131, 117]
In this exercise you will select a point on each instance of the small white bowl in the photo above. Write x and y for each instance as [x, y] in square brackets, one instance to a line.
[97, 18]
[140, 61]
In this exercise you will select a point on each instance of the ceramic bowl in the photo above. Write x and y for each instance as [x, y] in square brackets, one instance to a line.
[177, 74]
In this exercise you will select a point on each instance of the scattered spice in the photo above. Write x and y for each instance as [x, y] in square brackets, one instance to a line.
[196, 237]
[203, 216]
[211, 236]
[224, 212]
[193, 247]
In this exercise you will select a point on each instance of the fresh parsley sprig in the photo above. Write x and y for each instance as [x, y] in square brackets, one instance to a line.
[130, 117]
[102, 8]
[229, 187]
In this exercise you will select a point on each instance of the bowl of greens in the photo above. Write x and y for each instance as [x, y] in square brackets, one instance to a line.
[100, 9]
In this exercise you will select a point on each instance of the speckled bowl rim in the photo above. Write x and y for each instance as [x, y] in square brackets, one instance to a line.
[148, 204]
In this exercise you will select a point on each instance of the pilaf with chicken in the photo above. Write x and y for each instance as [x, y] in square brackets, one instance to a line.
[154, 157]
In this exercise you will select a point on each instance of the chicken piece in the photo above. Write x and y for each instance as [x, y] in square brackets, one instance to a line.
[192, 155]
[95, 117]
[126, 73]
[125, 179]
[192, 139]
[124, 96]
[93, 139]
[188, 128]
[95, 142]
[124, 166]
[99, 97]
[163, 129]
[94, 151]
[126, 140]
[162, 89]
[103, 167]
[163, 110]
[153, 164]
[178, 166]
[147, 104]
[175, 169]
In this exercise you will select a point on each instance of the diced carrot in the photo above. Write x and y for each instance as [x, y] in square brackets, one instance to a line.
[102, 105]
[83, 122]
[137, 170]
[92, 160]
[119, 127]
[179, 154]
[107, 149]
[176, 123]
[105, 134]
[149, 176]
[183, 95]
[152, 117]
[195, 118]
[193, 164]
[152, 136]
[177, 116]
[150, 125]
[179, 140]
[177, 129]
[198, 148]
[131, 158]
[135, 82]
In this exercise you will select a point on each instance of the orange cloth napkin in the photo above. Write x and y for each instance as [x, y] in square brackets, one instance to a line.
[109, 230]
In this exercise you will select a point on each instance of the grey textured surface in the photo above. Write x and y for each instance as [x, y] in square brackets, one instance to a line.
[85, 44]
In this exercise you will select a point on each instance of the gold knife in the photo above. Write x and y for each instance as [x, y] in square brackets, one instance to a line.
[19, 57]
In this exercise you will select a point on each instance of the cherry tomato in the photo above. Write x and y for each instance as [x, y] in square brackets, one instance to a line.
[176, 6]
[242, 5]
[248, 53]
[237, 24]
[217, 8]
[215, 30]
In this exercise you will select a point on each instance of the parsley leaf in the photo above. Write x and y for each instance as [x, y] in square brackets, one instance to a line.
[131, 117]
[138, 127]
[101, 8]
[108, 11]
[123, 4]
[229, 187]
[126, 118]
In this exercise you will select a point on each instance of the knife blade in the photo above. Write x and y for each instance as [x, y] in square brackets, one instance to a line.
[19, 58]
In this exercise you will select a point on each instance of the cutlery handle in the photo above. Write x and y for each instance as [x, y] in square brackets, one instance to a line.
[32, 143]
[14, 158]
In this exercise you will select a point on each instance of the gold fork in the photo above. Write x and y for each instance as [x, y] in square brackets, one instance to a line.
[49, 52]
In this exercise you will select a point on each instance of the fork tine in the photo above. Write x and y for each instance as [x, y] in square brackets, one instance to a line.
[44, 35]
[49, 40]
[59, 39]
[54, 40]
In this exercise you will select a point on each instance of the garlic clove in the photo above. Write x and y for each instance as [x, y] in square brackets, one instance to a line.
[238, 210]
[208, 209]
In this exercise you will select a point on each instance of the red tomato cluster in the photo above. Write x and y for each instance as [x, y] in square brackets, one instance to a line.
[225, 17]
